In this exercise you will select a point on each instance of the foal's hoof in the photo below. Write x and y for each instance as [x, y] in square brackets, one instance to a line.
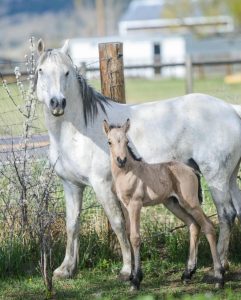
[187, 276]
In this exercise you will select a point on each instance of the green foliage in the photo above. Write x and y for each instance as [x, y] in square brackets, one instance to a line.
[235, 9]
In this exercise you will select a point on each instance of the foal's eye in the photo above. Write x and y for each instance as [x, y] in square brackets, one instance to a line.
[109, 142]
[40, 70]
[67, 73]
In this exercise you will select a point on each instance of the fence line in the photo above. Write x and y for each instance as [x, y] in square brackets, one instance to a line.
[149, 66]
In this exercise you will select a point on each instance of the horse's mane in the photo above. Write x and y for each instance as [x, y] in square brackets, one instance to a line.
[91, 100]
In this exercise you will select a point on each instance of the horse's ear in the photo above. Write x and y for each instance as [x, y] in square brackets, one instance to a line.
[41, 46]
[65, 48]
[106, 127]
[126, 126]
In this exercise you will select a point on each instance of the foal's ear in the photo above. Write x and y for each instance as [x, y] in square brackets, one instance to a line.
[106, 127]
[40, 46]
[65, 48]
[127, 125]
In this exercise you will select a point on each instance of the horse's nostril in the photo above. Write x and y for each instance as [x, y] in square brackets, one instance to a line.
[64, 103]
[52, 101]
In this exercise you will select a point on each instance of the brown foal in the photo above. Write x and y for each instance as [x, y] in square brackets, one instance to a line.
[174, 184]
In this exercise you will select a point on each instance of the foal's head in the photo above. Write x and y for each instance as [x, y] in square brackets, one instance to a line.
[117, 141]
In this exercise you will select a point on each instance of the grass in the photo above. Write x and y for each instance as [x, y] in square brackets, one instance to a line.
[160, 282]
[163, 254]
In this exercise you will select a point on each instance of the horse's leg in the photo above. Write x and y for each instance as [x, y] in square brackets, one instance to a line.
[111, 206]
[192, 206]
[194, 230]
[134, 210]
[226, 215]
[73, 197]
[235, 192]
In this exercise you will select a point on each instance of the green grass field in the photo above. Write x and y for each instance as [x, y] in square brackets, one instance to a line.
[162, 282]
[143, 90]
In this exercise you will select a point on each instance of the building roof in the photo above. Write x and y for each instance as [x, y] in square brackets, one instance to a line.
[143, 10]
[149, 16]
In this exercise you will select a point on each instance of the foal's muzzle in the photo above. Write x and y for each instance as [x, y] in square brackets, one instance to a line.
[121, 162]
[57, 106]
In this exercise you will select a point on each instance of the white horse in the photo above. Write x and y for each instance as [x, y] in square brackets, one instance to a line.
[196, 126]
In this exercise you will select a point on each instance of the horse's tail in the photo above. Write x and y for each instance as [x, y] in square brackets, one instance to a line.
[237, 108]
[191, 163]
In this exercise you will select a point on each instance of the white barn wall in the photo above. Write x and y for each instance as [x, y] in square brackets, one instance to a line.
[173, 51]
[137, 51]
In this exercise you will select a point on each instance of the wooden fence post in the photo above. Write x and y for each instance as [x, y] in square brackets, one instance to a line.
[189, 75]
[112, 86]
[112, 71]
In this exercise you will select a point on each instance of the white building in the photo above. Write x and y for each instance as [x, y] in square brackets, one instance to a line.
[137, 50]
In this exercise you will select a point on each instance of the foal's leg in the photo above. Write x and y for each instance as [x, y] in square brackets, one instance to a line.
[134, 210]
[73, 198]
[194, 230]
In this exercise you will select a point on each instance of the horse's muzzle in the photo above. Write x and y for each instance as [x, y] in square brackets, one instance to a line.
[57, 106]
[57, 112]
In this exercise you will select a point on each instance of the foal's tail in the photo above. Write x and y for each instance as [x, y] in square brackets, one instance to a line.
[191, 163]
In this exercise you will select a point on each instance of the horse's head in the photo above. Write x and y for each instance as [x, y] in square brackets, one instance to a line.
[117, 141]
[54, 73]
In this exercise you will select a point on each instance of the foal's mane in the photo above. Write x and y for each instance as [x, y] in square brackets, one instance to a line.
[92, 99]
[130, 150]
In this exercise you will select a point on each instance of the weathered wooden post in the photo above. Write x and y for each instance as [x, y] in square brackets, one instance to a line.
[112, 71]
[112, 86]
[83, 69]
[189, 75]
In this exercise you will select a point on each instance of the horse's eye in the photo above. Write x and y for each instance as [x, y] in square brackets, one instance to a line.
[109, 142]
[67, 73]
[40, 70]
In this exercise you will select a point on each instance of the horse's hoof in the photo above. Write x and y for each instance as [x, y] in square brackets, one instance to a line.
[124, 276]
[219, 285]
[62, 273]
[186, 281]
[133, 288]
